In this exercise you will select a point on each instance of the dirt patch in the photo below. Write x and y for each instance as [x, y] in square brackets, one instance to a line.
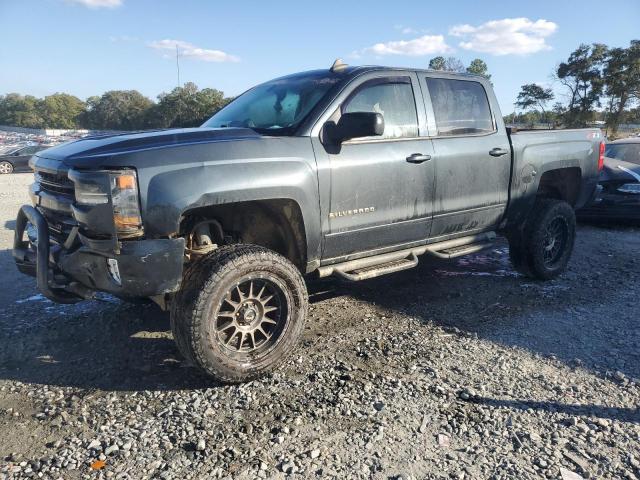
[457, 369]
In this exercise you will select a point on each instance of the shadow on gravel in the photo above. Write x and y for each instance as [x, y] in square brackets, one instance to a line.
[630, 415]
[107, 345]
[586, 318]
[617, 224]
[112, 345]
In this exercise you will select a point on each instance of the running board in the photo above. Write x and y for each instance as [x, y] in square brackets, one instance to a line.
[375, 266]
[461, 250]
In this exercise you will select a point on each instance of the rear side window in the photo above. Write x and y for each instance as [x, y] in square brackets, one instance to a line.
[393, 100]
[461, 107]
[30, 150]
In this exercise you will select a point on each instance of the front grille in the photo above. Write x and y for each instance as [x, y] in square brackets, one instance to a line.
[59, 220]
[56, 184]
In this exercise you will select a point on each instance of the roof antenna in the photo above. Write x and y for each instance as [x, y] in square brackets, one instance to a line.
[338, 65]
[178, 64]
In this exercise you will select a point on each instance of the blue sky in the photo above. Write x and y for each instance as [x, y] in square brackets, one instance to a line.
[86, 47]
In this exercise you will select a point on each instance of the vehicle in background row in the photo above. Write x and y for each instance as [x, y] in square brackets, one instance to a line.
[17, 160]
[618, 195]
[351, 171]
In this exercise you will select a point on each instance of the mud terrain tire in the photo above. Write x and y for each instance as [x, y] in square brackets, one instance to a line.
[239, 313]
[542, 249]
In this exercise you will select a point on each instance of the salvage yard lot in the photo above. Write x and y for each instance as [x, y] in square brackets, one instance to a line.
[452, 370]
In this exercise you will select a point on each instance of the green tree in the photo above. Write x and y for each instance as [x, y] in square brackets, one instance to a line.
[450, 64]
[532, 95]
[582, 75]
[621, 83]
[479, 67]
[62, 110]
[118, 110]
[20, 111]
[558, 112]
[437, 63]
[187, 106]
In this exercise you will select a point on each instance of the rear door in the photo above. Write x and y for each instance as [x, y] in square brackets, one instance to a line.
[381, 188]
[472, 155]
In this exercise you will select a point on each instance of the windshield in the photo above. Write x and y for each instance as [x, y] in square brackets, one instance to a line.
[627, 152]
[276, 107]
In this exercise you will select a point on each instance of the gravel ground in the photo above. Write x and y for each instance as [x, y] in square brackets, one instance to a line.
[457, 370]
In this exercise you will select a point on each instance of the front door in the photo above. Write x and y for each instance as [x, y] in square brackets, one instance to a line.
[381, 188]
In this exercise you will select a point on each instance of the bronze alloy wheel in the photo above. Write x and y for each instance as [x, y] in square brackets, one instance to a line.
[252, 316]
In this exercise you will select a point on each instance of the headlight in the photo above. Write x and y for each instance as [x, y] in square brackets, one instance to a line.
[96, 188]
[630, 188]
[92, 191]
[126, 204]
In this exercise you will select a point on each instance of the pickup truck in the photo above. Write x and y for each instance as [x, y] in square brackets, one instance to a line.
[349, 171]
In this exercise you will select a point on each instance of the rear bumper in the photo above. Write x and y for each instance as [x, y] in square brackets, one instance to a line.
[143, 268]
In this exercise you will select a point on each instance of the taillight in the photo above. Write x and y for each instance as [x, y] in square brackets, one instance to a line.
[601, 157]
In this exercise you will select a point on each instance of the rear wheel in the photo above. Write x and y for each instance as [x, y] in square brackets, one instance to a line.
[240, 312]
[6, 167]
[542, 249]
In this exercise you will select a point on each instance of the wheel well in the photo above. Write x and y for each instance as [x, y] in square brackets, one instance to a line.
[276, 224]
[561, 184]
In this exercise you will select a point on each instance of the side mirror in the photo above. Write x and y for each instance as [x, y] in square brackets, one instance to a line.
[358, 125]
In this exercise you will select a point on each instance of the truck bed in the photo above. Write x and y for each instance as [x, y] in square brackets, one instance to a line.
[536, 152]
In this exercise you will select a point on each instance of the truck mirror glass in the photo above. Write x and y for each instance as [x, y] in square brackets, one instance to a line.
[359, 125]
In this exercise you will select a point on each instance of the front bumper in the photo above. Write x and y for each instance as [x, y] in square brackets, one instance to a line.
[74, 271]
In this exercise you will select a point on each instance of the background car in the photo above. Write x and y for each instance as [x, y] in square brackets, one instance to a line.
[17, 160]
[619, 184]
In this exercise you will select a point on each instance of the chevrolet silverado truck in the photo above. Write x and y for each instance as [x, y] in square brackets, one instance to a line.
[349, 171]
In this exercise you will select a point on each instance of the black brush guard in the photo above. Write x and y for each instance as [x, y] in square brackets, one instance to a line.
[35, 261]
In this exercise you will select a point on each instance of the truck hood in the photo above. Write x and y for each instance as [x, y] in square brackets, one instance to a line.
[107, 145]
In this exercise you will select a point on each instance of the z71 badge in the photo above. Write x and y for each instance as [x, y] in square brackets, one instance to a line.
[350, 213]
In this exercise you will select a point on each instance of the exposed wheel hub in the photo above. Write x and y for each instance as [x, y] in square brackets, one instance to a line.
[247, 314]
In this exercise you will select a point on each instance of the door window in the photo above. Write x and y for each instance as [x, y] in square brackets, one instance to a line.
[460, 107]
[30, 150]
[394, 100]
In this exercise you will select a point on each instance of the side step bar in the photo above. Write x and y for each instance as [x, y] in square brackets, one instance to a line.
[370, 267]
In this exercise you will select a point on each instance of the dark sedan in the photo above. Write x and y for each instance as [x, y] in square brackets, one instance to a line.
[619, 184]
[18, 160]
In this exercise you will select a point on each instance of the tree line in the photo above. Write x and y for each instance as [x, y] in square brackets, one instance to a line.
[185, 106]
[600, 83]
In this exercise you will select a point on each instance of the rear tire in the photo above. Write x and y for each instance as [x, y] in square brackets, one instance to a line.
[6, 167]
[239, 312]
[542, 249]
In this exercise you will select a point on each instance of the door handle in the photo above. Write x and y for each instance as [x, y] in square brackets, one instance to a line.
[418, 158]
[498, 152]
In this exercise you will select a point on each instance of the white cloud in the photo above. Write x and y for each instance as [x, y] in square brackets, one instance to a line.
[123, 38]
[405, 30]
[188, 50]
[97, 3]
[425, 45]
[519, 36]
